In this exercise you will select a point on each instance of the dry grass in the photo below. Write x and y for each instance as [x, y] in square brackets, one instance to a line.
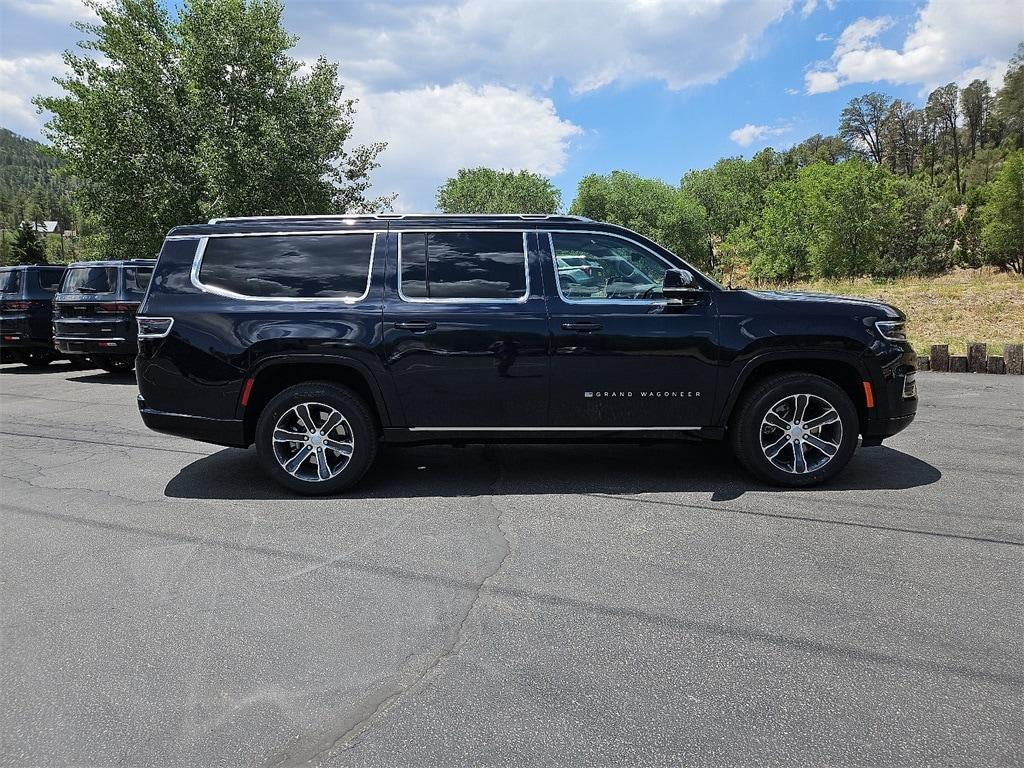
[965, 305]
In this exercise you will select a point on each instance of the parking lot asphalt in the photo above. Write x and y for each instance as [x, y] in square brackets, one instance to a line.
[163, 604]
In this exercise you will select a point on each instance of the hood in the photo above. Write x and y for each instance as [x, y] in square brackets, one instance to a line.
[827, 300]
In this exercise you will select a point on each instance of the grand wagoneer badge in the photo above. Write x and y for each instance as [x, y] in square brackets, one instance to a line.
[644, 393]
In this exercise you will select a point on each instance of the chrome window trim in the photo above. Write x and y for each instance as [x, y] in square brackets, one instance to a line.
[605, 302]
[426, 300]
[401, 216]
[549, 429]
[197, 264]
[163, 335]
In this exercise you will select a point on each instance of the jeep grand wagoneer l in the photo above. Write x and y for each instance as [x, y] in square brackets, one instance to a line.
[317, 338]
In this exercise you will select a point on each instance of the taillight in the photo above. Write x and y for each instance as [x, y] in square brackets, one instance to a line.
[154, 327]
[116, 307]
[16, 306]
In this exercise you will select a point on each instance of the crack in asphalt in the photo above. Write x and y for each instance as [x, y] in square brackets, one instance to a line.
[392, 699]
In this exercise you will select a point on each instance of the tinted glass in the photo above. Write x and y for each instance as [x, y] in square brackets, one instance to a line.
[603, 267]
[49, 279]
[90, 280]
[464, 265]
[136, 280]
[289, 266]
[10, 281]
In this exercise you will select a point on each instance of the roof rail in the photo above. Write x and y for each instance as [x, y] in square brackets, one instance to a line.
[399, 216]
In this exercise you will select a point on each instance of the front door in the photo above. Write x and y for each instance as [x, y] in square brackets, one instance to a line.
[466, 329]
[623, 357]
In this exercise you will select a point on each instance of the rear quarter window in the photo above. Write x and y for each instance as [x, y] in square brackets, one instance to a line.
[136, 279]
[49, 279]
[289, 266]
[10, 281]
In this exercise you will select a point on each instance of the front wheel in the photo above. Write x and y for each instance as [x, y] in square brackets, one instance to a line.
[316, 439]
[795, 430]
[38, 358]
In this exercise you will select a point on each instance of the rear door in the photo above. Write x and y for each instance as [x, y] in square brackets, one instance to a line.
[466, 329]
[623, 357]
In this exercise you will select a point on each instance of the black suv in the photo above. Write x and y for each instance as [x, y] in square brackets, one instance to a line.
[26, 306]
[94, 314]
[316, 338]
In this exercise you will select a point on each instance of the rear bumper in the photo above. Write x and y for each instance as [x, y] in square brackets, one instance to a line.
[78, 345]
[229, 432]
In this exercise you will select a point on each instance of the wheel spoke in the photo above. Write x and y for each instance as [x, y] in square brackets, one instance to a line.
[305, 417]
[800, 408]
[773, 450]
[799, 460]
[292, 465]
[322, 470]
[345, 449]
[831, 416]
[776, 421]
[333, 420]
[829, 449]
[289, 436]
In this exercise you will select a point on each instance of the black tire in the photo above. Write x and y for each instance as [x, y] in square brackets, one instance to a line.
[749, 430]
[115, 363]
[38, 358]
[360, 431]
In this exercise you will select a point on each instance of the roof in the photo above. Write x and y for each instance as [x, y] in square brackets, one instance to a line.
[115, 263]
[42, 226]
[402, 216]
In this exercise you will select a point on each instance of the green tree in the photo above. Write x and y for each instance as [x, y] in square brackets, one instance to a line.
[731, 193]
[485, 190]
[862, 122]
[170, 119]
[1002, 215]
[27, 247]
[781, 236]
[923, 241]
[943, 106]
[1009, 101]
[976, 104]
[649, 206]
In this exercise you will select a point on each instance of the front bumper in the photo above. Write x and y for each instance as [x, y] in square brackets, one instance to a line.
[896, 400]
[229, 432]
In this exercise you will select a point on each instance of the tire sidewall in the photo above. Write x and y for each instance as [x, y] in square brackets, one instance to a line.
[747, 437]
[344, 401]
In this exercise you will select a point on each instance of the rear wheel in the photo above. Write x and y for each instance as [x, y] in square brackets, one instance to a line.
[115, 363]
[38, 358]
[795, 430]
[316, 439]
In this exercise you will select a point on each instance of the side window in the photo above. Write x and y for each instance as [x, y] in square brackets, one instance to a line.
[49, 279]
[136, 280]
[605, 267]
[289, 266]
[463, 265]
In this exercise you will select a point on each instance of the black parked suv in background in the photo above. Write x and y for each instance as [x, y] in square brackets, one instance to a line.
[94, 314]
[26, 308]
[316, 338]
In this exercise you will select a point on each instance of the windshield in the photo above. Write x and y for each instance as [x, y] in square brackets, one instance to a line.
[10, 281]
[90, 280]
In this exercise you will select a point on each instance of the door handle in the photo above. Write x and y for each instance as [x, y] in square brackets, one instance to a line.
[581, 327]
[416, 326]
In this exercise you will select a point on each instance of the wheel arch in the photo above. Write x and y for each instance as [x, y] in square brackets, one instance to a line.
[846, 370]
[276, 374]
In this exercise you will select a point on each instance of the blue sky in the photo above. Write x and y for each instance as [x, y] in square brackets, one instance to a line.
[657, 87]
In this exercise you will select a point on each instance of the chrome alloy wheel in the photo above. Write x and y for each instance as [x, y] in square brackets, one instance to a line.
[313, 442]
[801, 433]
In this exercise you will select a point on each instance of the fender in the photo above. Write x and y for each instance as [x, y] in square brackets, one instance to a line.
[380, 396]
[728, 400]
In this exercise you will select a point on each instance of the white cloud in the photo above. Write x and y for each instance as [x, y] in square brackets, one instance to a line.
[821, 37]
[20, 79]
[750, 133]
[810, 6]
[587, 43]
[949, 40]
[792, 91]
[56, 10]
[434, 131]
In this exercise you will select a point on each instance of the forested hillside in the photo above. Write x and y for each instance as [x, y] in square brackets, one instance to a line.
[30, 190]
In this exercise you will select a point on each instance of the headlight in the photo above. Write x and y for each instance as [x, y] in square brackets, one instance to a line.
[893, 330]
[154, 327]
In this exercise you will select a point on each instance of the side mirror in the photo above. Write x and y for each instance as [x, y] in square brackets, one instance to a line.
[680, 286]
